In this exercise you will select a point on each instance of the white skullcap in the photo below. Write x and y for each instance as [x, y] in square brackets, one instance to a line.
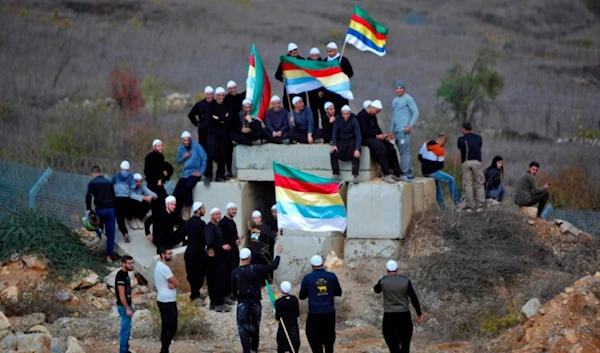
[274, 207]
[220, 90]
[366, 104]
[231, 205]
[170, 199]
[231, 83]
[316, 261]
[275, 98]
[213, 210]
[247, 101]
[245, 253]
[256, 213]
[332, 45]
[346, 108]
[156, 142]
[208, 89]
[196, 206]
[296, 100]
[186, 134]
[125, 165]
[138, 176]
[292, 46]
[376, 104]
[286, 287]
[391, 266]
[327, 105]
[314, 51]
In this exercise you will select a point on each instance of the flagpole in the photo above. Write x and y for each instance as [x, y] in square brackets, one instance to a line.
[343, 48]
[288, 98]
[287, 335]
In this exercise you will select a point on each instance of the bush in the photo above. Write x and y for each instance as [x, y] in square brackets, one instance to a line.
[152, 93]
[190, 320]
[494, 323]
[124, 87]
[573, 188]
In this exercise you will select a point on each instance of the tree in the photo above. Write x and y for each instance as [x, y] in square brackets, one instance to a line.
[468, 92]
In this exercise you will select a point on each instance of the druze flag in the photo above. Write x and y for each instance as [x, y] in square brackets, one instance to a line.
[258, 87]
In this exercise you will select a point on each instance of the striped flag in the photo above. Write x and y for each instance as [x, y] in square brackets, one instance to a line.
[272, 295]
[308, 202]
[258, 87]
[307, 75]
[365, 33]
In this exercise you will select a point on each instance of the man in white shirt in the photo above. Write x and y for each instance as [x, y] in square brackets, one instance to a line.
[166, 285]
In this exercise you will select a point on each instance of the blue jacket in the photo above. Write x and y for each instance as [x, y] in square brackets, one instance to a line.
[123, 182]
[278, 121]
[320, 287]
[303, 121]
[196, 162]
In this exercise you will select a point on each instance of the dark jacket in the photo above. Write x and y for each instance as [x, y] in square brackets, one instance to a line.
[287, 309]
[369, 127]
[235, 102]
[470, 147]
[103, 193]
[278, 121]
[346, 130]
[247, 281]
[320, 287]
[241, 122]
[431, 156]
[214, 238]
[396, 291]
[260, 238]
[345, 65]
[198, 115]
[223, 111]
[194, 230]
[154, 166]
[163, 223]
[492, 178]
[230, 236]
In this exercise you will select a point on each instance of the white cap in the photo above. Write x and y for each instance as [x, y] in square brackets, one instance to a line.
[213, 210]
[186, 134]
[346, 108]
[296, 100]
[316, 261]
[292, 46]
[275, 98]
[208, 89]
[274, 207]
[230, 205]
[247, 101]
[315, 50]
[170, 199]
[125, 165]
[256, 213]
[327, 105]
[231, 83]
[156, 142]
[376, 104]
[332, 45]
[245, 253]
[366, 104]
[196, 206]
[220, 90]
[391, 266]
[286, 287]
[138, 176]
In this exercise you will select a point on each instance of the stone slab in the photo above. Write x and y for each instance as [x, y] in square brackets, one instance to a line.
[379, 210]
[423, 194]
[360, 249]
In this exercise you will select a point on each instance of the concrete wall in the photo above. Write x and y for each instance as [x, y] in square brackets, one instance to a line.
[423, 190]
[360, 249]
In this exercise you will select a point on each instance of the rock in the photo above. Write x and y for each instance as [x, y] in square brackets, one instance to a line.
[74, 302]
[142, 323]
[11, 294]
[99, 290]
[100, 303]
[59, 345]
[531, 222]
[38, 329]
[597, 275]
[531, 307]
[84, 280]
[542, 311]
[530, 212]
[333, 262]
[63, 296]
[73, 346]
[33, 261]
[569, 290]
[14, 257]
[35, 342]
[570, 336]
[23, 323]
[4, 323]
[566, 227]
[9, 342]
[4, 333]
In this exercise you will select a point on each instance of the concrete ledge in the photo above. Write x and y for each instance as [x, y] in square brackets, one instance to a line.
[360, 249]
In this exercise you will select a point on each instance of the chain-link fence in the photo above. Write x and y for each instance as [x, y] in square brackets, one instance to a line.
[587, 221]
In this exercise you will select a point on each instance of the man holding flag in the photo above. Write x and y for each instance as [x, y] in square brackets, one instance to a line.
[279, 75]
[334, 55]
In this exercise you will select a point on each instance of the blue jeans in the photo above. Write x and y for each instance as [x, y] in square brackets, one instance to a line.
[403, 143]
[441, 177]
[125, 330]
[108, 218]
[496, 194]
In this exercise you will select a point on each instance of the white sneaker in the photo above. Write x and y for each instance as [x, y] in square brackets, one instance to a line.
[388, 179]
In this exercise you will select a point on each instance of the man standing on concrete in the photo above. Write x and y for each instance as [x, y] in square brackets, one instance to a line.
[199, 117]
[234, 100]
[101, 190]
[528, 193]
[166, 297]
[277, 123]
[332, 55]
[273, 224]
[217, 252]
[287, 311]
[163, 224]
[470, 145]
[345, 143]
[195, 253]
[320, 287]
[431, 156]
[230, 237]
[315, 100]
[327, 121]
[123, 293]
[123, 183]
[142, 200]
[246, 129]
[157, 172]
[397, 324]
[302, 129]
[404, 117]
[220, 114]
[194, 160]
[246, 286]
[293, 52]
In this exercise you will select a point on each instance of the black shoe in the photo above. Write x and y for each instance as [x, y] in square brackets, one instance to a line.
[228, 175]
[212, 306]
[219, 180]
[207, 182]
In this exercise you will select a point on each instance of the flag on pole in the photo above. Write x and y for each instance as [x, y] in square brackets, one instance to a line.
[307, 75]
[308, 202]
[272, 295]
[258, 87]
[365, 33]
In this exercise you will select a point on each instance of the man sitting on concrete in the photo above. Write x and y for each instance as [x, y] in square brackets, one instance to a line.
[194, 160]
[277, 124]
[528, 194]
[327, 121]
[246, 129]
[163, 225]
[302, 129]
[431, 157]
[122, 182]
[141, 201]
[345, 143]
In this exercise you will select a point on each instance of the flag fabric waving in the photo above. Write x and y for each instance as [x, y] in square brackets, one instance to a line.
[365, 33]
[258, 87]
[306, 75]
[308, 202]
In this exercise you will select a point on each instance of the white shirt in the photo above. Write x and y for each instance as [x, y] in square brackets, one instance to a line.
[162, 273]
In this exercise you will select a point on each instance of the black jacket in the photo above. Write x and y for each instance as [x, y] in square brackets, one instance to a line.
[214, 238]
[194, 230]
[230, 236]
[154, 166]
[492, 178]
[103, 193]
[163, 223]
[346, 130]
[470, 147]
[369, 127]
[260, 238]
[346, 66]
[223, 112]
[235, 102]
[241, 122]
[198, 115]
[247, 281]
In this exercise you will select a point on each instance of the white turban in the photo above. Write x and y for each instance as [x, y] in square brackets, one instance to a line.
[125, 165]
[186, 134]
[245, 253]
[274, 207]
[256, 213]
[213, 210]
[346, 108]
[196, 206]
[315, 51]
[376, 104]
[292, 46]
[366, 104]
[327, 105]
[138, 176]
[275, 98]
[296, 100]
[332, 45]
[286, 287]
[170, 199]
[230, 205]
[220, 90]
[247, 101]
[208, 89]
[156, 142]
[316, 261]
[231, 83]
[391, 266]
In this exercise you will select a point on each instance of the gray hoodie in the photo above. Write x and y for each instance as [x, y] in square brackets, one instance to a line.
[123, 182]
[138, 193]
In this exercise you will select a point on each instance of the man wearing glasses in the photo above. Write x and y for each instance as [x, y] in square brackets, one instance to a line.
[123, 292]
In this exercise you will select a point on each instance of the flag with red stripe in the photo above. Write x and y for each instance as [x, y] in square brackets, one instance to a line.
[258, 87]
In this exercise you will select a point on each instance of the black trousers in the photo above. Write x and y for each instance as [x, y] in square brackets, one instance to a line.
[184, 192]
[160, 200]
[216, 276]
[168, 316]
[540, 199]
[278, 140]
[345, 152]
[282, 342]
[327, 128]
[246, 139]
[248, 318]
[195, 267]
[320, 332]
[170, 240]
[384, 153]
[121, 209]
[301, 136]
[397, 331]
[203, 137]
[220, 150]
[316, 105]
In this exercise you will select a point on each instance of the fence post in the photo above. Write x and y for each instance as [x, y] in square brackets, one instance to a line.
[37, 186]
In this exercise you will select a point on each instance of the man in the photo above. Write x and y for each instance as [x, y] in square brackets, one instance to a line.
[234, 100]
[469, 145]
[314, 97]
[345, 143]
[194, 160]
[261, 237]
[431, 156]
[230, 237]
[157, 171]
[366, 104]
[218, 139]
[528, 193]
[273, 225]
[302, 128]
[246, 129]
[195, 253]
[327, 121]
[246, 286]
[123, 293]
[277, 124]
[292, 51]
[320, 287]
[397, 325]
[404, 117]
[101, 190]
[287, 311]
[166, 297]
[199, 117]
[332, 54]
[163, 223]
[141, 201]
[123, 183]
[217, 262]
[380, 147]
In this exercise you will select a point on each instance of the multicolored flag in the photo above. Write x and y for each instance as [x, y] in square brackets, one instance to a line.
[308, 202]
[307, 75]
[365, 33]
[258, 87]
[272, 295]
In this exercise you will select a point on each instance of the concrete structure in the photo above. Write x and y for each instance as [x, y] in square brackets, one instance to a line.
[360, 249]
[423, 194]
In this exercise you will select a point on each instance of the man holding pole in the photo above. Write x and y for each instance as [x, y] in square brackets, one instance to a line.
[287, 311]
[333, 54]
[293, 52]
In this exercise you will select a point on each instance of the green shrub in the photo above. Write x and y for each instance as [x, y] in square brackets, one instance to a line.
[494, 323]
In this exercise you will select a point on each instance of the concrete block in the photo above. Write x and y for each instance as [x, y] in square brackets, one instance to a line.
[378, 210]
[255, 163]
[423, 194]
[360, 249]
[430, 201]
